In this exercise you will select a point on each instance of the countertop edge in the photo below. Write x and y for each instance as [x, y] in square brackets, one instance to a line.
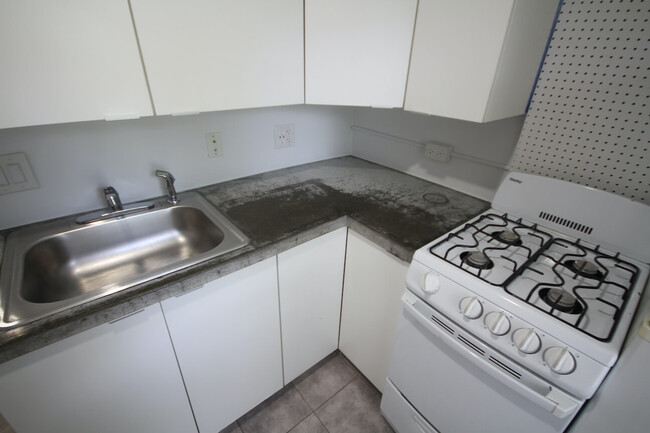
[30, 337]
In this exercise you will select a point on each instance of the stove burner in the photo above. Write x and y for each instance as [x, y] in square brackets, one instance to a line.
[507, 237]
[561, 300]
[476, 259]
[585, 269]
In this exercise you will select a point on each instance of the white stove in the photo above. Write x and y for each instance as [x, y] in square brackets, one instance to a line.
[541, 288]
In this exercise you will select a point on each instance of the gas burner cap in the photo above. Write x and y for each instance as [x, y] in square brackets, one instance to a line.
[476, 259]
[561, 300]
[585, 269]
[507, 237]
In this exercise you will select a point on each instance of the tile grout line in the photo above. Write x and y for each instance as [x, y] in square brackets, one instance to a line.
[356, 376]
[336, 393]
[321, 422]
[313, 411]
[303, 399]
[353, 369]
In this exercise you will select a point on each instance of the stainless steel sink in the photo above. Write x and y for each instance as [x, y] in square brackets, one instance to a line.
[51, 267]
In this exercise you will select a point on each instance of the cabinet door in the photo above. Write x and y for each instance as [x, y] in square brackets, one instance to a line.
[206, 55]
[227, 340]
[476, 60]
[311, 281]
[357, 51]
[372, 289]
[117, 377]
[67, 61]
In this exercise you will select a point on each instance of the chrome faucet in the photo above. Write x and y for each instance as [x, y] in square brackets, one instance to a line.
[112, 199]
[115, 208]
[169, 182]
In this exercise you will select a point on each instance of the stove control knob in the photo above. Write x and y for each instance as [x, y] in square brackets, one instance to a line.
[497, 323]
[560, 360]
[471, 307]
[431, 283]
[526, 340]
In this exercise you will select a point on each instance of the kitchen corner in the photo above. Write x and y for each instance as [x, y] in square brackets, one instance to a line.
[279, 210]
[444, 203]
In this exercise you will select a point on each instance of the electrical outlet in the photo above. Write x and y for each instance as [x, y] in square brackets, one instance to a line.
[213, 143]
[284, 136]
[438, 151]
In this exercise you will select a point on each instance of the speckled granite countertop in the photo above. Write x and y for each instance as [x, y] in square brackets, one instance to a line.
[278, 210]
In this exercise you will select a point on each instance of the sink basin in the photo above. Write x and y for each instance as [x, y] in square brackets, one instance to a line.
[52, 267]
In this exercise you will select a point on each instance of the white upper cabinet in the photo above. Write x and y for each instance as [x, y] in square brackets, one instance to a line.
[66, 60]
[357, 51]
[207, 55]
[477, 60]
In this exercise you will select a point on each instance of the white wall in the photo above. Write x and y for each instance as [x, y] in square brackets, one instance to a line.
[493, 141]
[72, 162]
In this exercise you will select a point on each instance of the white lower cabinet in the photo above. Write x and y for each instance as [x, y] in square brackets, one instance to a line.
[372, 288]
[220, 345]
[117, 377]
[227, 340]
[311, 279]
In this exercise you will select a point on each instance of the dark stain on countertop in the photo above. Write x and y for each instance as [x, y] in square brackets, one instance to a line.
[278, 210]
[404, 210]
[287, 209]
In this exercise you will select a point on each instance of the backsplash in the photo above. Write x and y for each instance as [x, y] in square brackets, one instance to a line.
[588, 119]
[396, 138]
[73, 161]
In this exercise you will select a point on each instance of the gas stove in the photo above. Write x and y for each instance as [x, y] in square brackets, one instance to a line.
[544, 277]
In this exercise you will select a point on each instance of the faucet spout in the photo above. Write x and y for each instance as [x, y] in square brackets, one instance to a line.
[169, 183]
[112, 199]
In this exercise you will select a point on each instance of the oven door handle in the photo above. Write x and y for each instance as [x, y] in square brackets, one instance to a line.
[550, 399]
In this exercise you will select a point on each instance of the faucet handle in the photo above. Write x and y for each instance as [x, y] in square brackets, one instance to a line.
[165, 175]
[169, 182]
[112, 199]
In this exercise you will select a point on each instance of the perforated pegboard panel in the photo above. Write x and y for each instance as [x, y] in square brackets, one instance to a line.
[588, 119]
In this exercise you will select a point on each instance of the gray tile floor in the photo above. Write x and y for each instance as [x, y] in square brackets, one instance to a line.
[331, 397]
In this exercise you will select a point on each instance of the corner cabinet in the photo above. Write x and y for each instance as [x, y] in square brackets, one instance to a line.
[226, 336]
[372, 289]
[477, 60]
[311, 279]
[357, 51]
[68, 61]
[207, 55]
[116, 377]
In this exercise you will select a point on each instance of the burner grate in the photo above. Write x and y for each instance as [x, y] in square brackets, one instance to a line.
[590, 291]
[480, 240]
[541, 267]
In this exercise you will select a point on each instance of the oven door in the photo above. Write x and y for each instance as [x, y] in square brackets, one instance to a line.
[459, 384]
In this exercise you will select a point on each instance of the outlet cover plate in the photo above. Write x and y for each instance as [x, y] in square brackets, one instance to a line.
[213, 144]
[284, 136]
[438, 151]
[16, 174]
